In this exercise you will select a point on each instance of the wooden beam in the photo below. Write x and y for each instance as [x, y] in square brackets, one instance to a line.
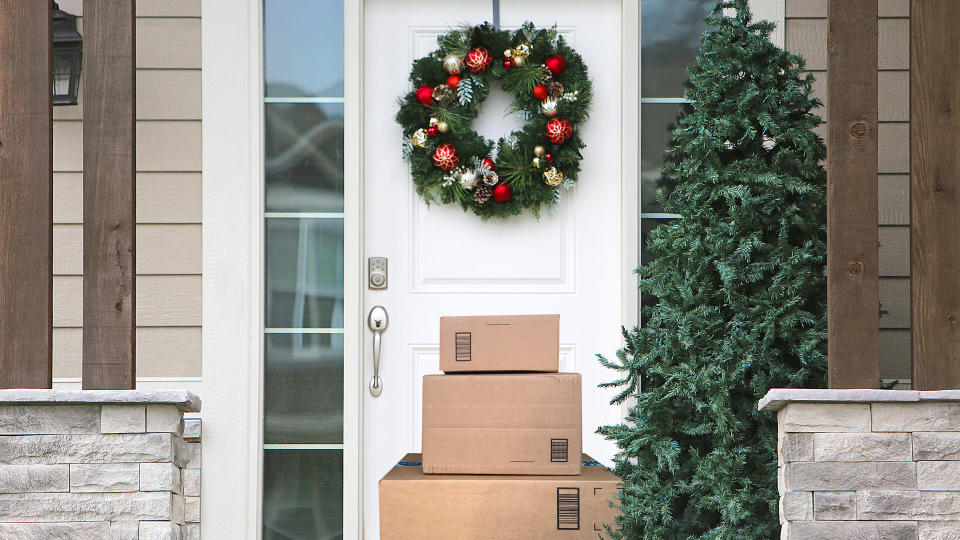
[109, 194]
[935, 192]
[852, 194]
[26, 195]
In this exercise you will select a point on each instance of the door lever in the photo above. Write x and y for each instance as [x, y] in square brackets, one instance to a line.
[377, 321]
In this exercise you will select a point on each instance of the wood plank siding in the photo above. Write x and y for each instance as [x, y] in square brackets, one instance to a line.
[109, 194]
[852, 196]
[168, 203]
[26, 247]
[935, 193]
[806, 35]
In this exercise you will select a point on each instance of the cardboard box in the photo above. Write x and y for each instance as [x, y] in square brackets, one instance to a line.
[500, 343]
[516, 423]
[418, 506]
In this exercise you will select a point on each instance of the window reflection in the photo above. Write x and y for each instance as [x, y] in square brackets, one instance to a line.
[302, 494]
[303, 400]
[304, 157]
[656, 132]
[670, 39]
[303, 48]
[304, 281]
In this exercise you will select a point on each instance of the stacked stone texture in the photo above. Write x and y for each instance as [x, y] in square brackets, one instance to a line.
[870, 470]
[98, 472]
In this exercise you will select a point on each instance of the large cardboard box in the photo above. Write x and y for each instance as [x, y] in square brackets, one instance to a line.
[500, 343]
[418, 506]
[515, 423]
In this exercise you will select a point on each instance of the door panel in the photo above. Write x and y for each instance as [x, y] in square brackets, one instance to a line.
[443, 261]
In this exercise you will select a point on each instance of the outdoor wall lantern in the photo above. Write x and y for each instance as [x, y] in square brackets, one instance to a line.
[67, 57]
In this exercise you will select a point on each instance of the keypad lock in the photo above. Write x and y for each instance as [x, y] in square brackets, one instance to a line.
[377, 272]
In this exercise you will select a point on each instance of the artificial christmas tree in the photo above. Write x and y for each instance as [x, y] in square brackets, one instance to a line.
[742, 295]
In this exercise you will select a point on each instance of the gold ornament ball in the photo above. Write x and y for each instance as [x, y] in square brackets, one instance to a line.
[433, 120]
[539, 151]
[452, 63]
[518, 61]
[536, 162]
[443, 127]
[552, 177]
[508, 53]
[419, 138]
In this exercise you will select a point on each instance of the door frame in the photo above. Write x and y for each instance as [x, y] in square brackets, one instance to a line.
[233, 288]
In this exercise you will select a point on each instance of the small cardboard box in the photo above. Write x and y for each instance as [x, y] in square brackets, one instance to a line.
[500, 343]
[512, 423]
[418, 506]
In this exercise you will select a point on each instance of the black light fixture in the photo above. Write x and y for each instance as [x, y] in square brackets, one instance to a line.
[67, 57]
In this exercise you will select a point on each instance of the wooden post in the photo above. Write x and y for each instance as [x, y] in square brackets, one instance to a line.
[935, 193]
[26, 195]
[109, 194]
[852, 193]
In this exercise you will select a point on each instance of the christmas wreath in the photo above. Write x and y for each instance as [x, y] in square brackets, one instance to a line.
[452, 163]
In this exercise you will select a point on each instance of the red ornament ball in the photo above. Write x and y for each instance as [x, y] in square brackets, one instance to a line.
[488, 163]
[445, 157]
[508, 63]
[548, 157]
[425, 95]
[502, 193]
[478, 59]
[559, 130]
[555, 63]
[453, 81]
[432, 131]
[540, 91]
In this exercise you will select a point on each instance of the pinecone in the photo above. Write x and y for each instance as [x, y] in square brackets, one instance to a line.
[554, 89]
[482, 193]
[443, 92]
[545, 73]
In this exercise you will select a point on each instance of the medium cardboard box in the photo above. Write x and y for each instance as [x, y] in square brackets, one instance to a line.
[418, 506]
[505, 423]
[500, 343]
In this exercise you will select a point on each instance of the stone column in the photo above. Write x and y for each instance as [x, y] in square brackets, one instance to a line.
[99, 465]
[863, 464]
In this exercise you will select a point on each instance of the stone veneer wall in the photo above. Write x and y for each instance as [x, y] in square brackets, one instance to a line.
[874, 464]
[102, 465]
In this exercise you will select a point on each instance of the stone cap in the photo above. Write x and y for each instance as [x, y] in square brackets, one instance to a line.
[778, 398]
[185, 400]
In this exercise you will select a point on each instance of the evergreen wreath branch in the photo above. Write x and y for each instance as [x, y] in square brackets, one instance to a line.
[531, 164]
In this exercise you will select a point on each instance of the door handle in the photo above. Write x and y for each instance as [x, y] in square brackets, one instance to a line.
[377, 321]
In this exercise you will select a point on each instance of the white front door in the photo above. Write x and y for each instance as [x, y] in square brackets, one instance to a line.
[442, 261]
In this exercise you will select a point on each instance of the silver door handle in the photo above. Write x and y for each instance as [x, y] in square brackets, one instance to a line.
[377, 321]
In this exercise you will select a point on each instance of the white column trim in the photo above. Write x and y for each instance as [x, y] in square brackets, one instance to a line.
[232, 292]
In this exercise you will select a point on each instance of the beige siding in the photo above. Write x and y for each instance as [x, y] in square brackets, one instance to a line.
[168, 43]
[162, 197]
[806, 35]
[895, 199]
[169, 186]
[161, 249]
[894, 251]
[161, 301]
[161, 352]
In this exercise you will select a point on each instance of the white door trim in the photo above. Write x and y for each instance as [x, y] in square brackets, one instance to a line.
[353, 261]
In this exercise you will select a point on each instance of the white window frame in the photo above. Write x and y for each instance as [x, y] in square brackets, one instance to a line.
[233, 205]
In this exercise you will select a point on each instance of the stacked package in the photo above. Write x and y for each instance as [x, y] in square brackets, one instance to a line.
[502, 440]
